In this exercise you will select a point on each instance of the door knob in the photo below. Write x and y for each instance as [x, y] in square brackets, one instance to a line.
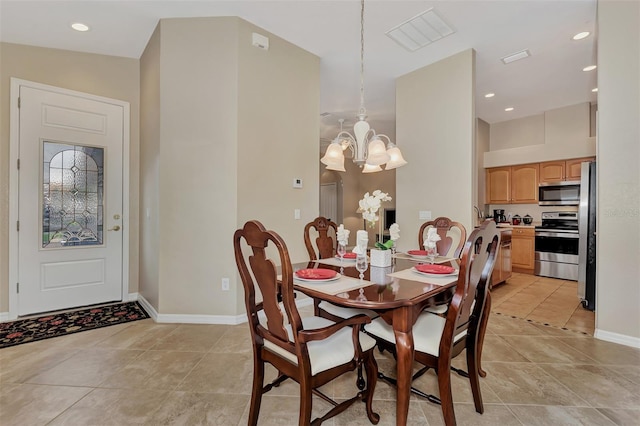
[115, 228]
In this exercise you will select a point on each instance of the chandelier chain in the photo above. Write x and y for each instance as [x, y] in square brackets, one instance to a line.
[362, 109]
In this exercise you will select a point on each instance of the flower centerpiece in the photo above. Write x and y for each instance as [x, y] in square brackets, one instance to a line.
[369, 207]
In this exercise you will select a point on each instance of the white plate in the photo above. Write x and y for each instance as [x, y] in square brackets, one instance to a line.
[344, 259]
[435, 275]
[417, 256]
[337, 277]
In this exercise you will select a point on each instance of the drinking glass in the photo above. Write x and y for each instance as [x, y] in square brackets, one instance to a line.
[431, 254]
[341, 252]
[361, 264]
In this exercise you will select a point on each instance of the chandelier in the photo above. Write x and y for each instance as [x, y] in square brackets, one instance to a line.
[369, 151]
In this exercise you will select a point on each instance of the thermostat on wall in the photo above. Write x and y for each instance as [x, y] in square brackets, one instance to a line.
[297, 183]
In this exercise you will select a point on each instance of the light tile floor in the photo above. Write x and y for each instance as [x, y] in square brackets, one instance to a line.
[543, 300]
[143, 373]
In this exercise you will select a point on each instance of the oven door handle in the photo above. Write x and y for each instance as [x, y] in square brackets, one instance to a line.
[557, 234]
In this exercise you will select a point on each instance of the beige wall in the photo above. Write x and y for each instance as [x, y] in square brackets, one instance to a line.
[618, 222]
[556, 134]
[231, 119]
[108, 76]
[436, 124]
[278, 129]
[523, 131]
[150, 170]
[482, 145]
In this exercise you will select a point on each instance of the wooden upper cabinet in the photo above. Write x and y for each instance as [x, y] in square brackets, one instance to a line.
[519, 184]
[558, 171]
[574, 168]
[552, 171]
[498, 185]
[524, 184]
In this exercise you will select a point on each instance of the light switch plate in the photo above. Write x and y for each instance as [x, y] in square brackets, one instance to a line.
[424, 215]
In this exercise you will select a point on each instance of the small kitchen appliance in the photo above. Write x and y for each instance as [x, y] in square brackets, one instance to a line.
[498, 216]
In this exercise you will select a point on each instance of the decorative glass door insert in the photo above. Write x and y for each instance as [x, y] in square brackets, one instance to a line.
[72, 195]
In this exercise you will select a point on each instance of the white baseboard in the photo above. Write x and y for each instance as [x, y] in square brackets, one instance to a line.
[621, 339]
[132, 297]
[201, 319]
[4, 316]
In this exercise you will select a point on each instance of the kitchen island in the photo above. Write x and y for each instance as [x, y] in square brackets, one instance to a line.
[502, 268]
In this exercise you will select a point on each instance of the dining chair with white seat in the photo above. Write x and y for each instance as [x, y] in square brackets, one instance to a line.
[438, 339]
[312, 351]
[325, 247]
[452, 236]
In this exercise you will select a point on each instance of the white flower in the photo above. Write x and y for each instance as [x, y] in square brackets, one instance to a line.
[370, 204]
[394, 232]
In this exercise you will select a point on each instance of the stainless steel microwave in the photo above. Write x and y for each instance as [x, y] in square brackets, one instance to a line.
[559, 193]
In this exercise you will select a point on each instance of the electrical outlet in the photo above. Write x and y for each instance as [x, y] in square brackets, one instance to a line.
[225, 284]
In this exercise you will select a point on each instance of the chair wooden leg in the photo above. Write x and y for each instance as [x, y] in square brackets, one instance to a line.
[483, 328]
[256, 391]
[444, 386]
[316, 308]
[305, 403]
[473, 362]
[371, 368]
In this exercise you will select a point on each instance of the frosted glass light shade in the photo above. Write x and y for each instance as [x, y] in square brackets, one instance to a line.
[371, 169]
[397, 160]
[334, 157]
[377, 153]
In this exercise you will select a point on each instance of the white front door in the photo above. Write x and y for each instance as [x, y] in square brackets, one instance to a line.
[70, 200]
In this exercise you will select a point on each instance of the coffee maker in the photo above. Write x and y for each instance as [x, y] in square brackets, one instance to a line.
[498, 216]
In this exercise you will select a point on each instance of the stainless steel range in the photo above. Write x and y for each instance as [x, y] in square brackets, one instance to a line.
[556, 245]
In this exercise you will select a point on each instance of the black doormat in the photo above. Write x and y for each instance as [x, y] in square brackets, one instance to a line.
[58, 324]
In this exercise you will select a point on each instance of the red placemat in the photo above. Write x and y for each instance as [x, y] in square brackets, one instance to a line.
[350, 255]
[417, 252]
[435, 269]
[316, 274]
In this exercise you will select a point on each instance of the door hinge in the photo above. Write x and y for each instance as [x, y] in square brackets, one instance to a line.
[18, 101]
[18, 226]
[18, 164]
[18, 287]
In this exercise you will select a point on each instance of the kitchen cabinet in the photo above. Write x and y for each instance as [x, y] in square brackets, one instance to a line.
[502, 268]
[498, 184]
[523, 249]
[524, 184]
[574, 167]
[558, 171]
[512, 185]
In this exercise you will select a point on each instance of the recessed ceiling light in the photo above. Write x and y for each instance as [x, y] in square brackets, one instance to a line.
[79, 26]
[595, 89]
[581, 35]
[590, 68]
[509, 109]
[489, 95]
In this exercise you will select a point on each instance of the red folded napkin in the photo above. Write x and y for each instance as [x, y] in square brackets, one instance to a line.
[417, 252]
[435, 269]
[316, 274]
[350, 255]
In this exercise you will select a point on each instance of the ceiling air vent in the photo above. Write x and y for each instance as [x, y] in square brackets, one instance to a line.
[516, 56]
[420, 31]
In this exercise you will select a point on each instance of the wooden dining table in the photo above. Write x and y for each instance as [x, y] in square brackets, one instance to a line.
[398, 300]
